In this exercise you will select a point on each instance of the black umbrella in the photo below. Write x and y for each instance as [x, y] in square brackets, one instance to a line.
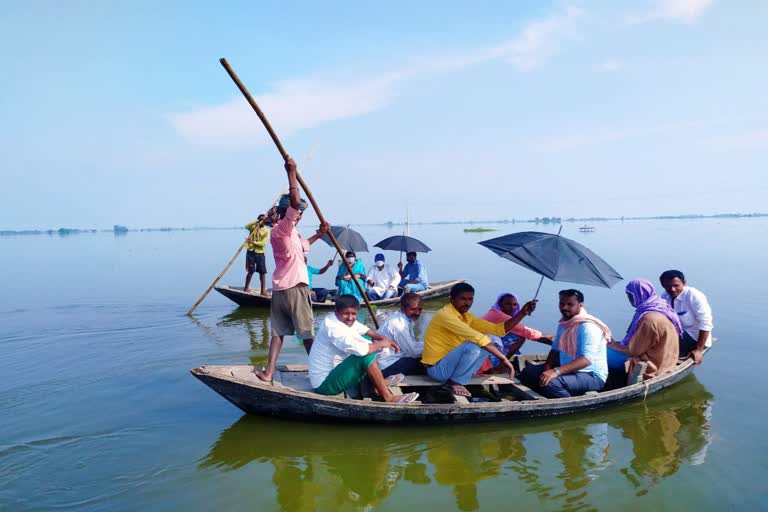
[403, 243]
[349, 239]
[554, 257]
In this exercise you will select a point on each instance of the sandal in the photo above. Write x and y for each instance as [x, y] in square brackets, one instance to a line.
[459, 390]
[407, 399]
[394, 380]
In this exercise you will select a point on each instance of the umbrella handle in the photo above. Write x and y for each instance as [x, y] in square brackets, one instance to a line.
[539, 288]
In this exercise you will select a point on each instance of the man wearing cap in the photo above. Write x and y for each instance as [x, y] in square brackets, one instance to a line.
[382, 280]
[255, 260]
[291, 311]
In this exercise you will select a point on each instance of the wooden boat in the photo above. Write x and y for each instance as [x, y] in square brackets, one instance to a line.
[252, 299]
[290, 395]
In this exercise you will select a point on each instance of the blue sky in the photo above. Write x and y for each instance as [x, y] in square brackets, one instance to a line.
[122, 114]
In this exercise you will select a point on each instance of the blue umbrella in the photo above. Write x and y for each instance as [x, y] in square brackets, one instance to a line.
[349, 239]
[403, 243]
[554, 257]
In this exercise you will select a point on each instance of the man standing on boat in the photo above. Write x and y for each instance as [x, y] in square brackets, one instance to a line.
[456, 345]
[291, 311]
[255, 259]
[399, 327]
[694, 311]
[414, 274]
[577, 362]
[382, 280]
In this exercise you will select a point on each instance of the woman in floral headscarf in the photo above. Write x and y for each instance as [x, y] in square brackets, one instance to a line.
[505, 307]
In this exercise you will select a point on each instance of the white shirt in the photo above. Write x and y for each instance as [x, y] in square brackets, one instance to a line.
[334, 342]
[694, 311]
[399, 328]
[383, 279]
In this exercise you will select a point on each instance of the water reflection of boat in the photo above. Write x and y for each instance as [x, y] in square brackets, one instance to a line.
[291, 396]
[343, 468]
[237, 295]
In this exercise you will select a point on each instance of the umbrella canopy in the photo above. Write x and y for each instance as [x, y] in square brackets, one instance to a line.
[554, 257]
[403, 243]
[349, 239]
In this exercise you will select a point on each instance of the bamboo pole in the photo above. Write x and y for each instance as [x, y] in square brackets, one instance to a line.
[239, 250]
[301, 181]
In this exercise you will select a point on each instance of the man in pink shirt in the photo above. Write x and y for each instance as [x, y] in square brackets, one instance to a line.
[291, 310]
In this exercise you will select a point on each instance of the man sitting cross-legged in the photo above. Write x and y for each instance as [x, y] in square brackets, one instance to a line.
[456, 345]
[340, 357]
[577, 362]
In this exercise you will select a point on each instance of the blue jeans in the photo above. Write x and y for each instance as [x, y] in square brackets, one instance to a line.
[572, 384]
[459, 364]
[413, 287]
[388, 294]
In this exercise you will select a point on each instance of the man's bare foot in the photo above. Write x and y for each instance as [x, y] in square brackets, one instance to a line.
[264, 375]
[247, 290]
[402, 399]
[459, 390]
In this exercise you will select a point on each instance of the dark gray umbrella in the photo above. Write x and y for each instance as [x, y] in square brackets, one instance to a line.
[403, 243]
[349, 239]
[554, 257]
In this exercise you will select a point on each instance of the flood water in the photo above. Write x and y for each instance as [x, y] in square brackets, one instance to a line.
[98, 410]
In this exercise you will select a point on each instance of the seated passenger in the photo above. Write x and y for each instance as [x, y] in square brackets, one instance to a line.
[694, 311]
[654, 333]
[414, 274]
[399, 327]
[505, 307]
[580, 343]
[456, 345]
[344, 281]
[341, 357]
[382, 280]
[317, 294]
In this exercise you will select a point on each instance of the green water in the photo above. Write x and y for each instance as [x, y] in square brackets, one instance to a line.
[98, 410]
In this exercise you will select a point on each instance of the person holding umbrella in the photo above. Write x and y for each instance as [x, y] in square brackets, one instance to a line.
[413, 274]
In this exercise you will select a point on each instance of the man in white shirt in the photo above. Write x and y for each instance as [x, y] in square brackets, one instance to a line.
[382, 280]
[340, 357]
[694, 311]
[399, 327]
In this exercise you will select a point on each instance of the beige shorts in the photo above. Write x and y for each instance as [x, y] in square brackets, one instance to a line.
[291, 313]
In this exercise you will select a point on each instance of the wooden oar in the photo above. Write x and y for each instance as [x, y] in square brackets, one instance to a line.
[239, 250]
[301, 181]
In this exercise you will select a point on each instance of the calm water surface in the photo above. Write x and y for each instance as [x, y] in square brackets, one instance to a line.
[98, 410]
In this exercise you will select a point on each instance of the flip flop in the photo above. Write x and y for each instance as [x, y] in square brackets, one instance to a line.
[459, 390]
[407, 399]
[394, 380]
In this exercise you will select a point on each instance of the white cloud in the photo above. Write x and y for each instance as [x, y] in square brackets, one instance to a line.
[757, 139]
[684, 11]
[298, 104]
[611, 65]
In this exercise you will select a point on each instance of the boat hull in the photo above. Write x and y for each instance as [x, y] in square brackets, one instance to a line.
[243, 299]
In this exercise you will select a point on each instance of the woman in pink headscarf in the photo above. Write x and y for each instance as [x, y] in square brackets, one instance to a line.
[505, 307]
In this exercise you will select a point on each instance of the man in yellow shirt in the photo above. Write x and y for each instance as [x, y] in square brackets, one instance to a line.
[456, 345]
[255, 260]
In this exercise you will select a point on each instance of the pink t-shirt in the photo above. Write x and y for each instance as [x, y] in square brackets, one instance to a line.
[288, 248]
[495, 316]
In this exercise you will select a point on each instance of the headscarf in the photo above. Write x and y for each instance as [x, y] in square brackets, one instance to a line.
[568, 339]
[285, 202]
[646, 301]
[497, 304]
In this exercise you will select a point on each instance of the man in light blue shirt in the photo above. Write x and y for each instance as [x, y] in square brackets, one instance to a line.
[414, 275]
[577, 362]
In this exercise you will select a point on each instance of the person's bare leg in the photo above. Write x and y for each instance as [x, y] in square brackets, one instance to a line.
[275, 344]
[308, 345]
[374, 373]
[263, 279]
[248, 277]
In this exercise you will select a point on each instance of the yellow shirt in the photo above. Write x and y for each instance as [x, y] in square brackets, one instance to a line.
[449, 329]
[258, 237]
